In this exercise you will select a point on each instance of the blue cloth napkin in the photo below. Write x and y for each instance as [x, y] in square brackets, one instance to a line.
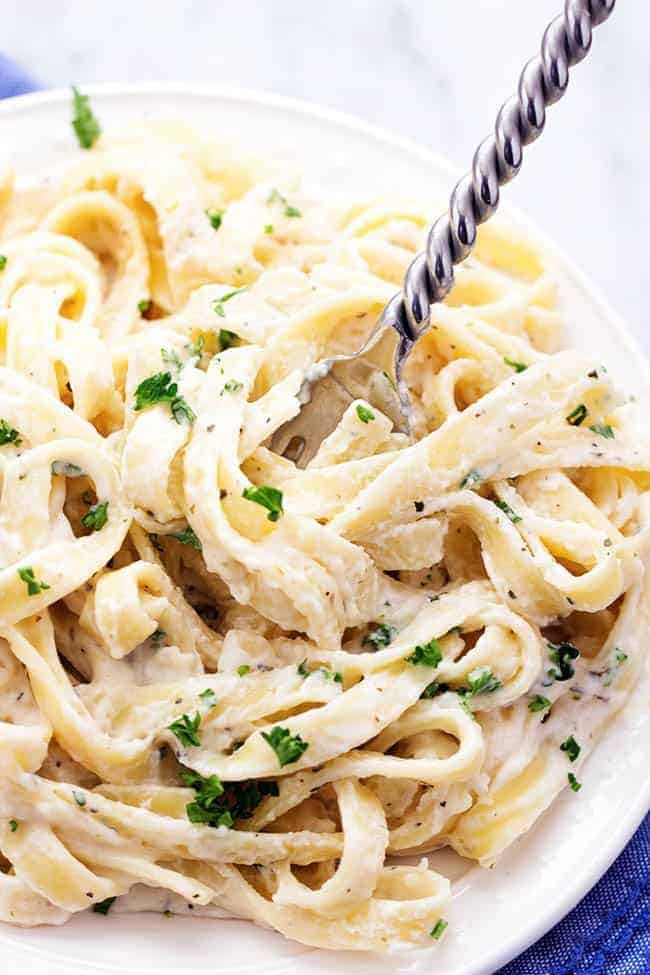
[608, 933]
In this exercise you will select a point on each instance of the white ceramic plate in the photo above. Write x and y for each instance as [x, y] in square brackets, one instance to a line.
[495, 914]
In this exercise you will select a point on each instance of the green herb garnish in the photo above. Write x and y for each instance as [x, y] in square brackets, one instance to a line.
[227, 339]
[481, 681]
[286, 746]
[539, 703]
[269, 497]
[103, 907]
[438, 929]
[218, 303]
[215, 217]
[34, 586]
[573, 782]
[517, 366]
[144, 306]
[188, 537]
[9, 434]
[429, 655]
[185, 728]
[159, 388]
[364, 413]
[84, 122]
[216, 804]
[471, 479]
[244, 669]
[209, 697]
[562, 654]
[603, 430]
[3, 262]
[277, 197]
[96, 517]
[233, 386]
[13, 825]
[571, 747]
[577, 416]
[380, 636]
[171, 358]
[507, 510]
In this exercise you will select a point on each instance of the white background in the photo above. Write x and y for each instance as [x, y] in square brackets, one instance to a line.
[435, 70]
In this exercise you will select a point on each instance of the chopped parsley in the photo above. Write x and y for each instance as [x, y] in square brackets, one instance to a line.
[3, 262]
[215, 217]
[603, 430]
[103, 907]
[67, 469]
[227, 339]
[186, 728]
[96, 517]
[84, 122]
[171, 358]
[79, 797]
[195, 349]
[577, 416]
[244, 669]
[429, 655]
[562, 654]
[34, 586]
[381, 636]
[159, 388]
[13, 825]
[9, 434]
[268, 228]
[517, 366]
[218, 303]
[144, 306]
[439, 929]
[612, 670]
[573, 782]
[233, 386]
[209, 697]
[433, 689]
[218, 804]
[364, 413]
[326, 672]
[286, 746]
[188, 537]
[481, 681]
[276, 197]
[507, 510]
[539, 703]
[571, 747]
[269, 497]
[471, 479]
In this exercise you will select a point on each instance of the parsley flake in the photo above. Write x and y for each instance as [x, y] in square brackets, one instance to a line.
[573, 782]
[96, 517]
[517, 366]
[103, 907]
[603, 430]
[481, 681]
[84, 122]
[34, 586]
[276, 197]
[218, 303]
[508, 511]
[215, 217]
[471, 479]
[439, 929]
[577, 416]
[269, 497]
[9, 434]
[364, 413]
[539, 703]
[144, 306]
[209, 697]
[188, 537]
[233, 386]
[159, 388]
[381, 636]
[218, 804]
[562, 654]
[3, 262]
[227, 339]
[13, 825]
[185, 728]
[244, 669]
[571, 747]
[429, 655]
[289, 748]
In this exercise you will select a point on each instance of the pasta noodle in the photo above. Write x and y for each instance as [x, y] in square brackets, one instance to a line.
[252, 686]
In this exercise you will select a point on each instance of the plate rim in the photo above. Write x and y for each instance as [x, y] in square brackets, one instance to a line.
[20, 104]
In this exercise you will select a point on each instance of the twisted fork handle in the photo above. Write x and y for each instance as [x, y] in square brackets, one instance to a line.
[497, 160]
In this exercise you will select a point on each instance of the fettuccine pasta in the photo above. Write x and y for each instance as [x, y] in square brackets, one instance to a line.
[253, 687]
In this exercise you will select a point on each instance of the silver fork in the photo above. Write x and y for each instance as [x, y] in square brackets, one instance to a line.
[333, 383]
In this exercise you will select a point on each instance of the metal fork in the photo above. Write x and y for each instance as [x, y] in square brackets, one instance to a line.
[333, 383]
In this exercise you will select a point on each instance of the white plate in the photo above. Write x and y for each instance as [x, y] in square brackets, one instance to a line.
[495, 914]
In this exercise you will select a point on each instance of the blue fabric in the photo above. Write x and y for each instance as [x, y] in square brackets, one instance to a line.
[608, 933]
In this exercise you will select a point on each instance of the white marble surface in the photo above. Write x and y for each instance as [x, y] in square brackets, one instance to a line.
[435, 71]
